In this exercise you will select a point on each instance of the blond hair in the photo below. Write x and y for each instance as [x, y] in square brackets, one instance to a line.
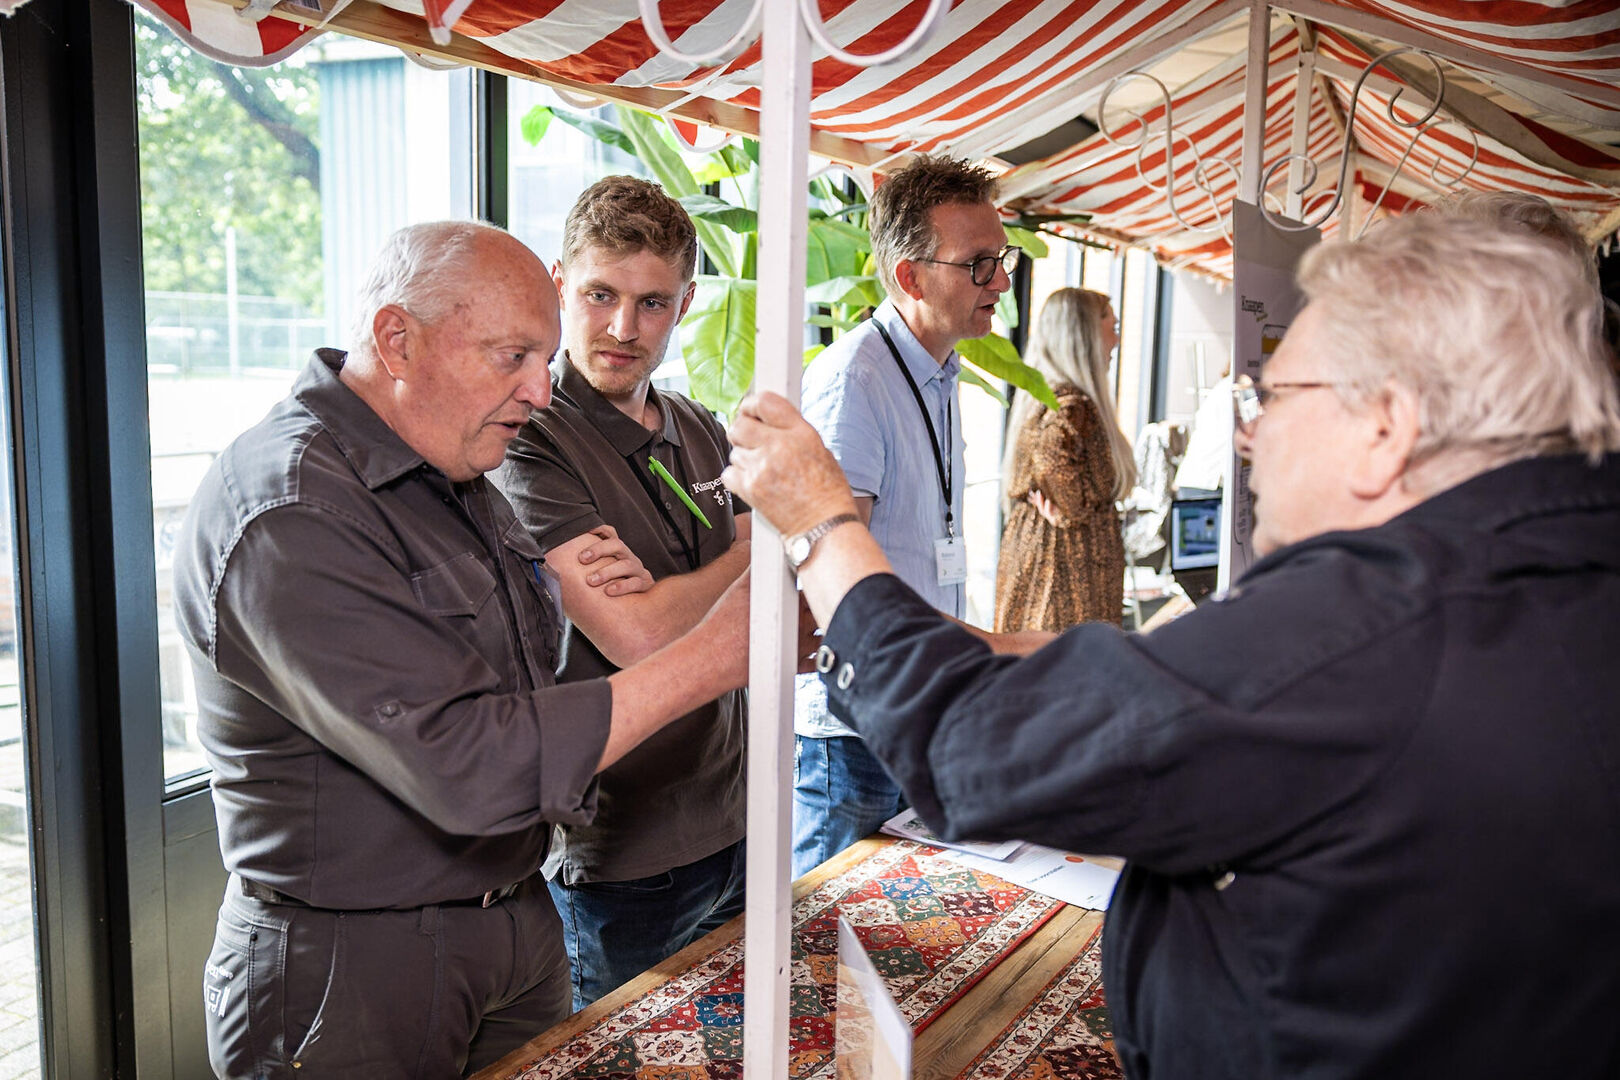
[1065, 346]
[1495, 331]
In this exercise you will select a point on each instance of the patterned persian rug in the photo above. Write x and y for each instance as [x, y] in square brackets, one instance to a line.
[933, 929]
[1064, 1034]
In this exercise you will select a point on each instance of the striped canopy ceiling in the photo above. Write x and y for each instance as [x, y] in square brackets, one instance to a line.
[1536, 83]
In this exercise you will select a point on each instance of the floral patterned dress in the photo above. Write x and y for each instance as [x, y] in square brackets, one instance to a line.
[1051, 576]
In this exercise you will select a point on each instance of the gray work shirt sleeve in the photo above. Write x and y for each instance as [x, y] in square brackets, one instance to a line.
[546, 490]
[315, 619]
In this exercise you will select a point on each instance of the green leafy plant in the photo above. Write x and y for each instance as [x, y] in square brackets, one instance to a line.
[717, 335]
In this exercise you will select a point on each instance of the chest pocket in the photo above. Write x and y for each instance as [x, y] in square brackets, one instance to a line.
[458, 586]
[543, 582]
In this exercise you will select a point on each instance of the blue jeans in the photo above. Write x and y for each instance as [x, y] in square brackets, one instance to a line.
[615, 930]
[841, 794]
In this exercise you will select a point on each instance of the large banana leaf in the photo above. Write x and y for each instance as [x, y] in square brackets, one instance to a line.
[833, 248]
[1028, 239]
[1007, 308]
[717, 339]
[862, 290]
[994, 355]
[973, 378]
[657, 151]
[738, 219]
[534, 124]
[540, 117]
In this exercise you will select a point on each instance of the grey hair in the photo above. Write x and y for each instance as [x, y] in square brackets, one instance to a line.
[901, 209]
[1495, 331]
[420, 268]
[1065, 345]
[1526, 212]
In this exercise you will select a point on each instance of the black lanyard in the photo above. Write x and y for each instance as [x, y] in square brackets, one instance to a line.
[655, 492]
[933, 439]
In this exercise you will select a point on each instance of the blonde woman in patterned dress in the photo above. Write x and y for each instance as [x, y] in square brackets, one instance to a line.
[1062, 560]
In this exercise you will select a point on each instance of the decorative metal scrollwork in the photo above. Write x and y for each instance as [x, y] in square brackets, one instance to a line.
[584, 102]
[653, 23]
[1335, 195]
[432, 63]
[722, 139]
[1201, 175]
[924, 30]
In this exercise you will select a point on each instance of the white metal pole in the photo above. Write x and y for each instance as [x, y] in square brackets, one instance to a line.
[1352, 198]
[1254, 141]
[784, 130]
[1254, 101]
[1306, 74]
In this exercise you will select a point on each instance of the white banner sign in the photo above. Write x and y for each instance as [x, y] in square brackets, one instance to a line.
[1263, 263]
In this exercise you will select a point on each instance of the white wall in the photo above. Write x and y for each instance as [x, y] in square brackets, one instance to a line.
[1200, 343]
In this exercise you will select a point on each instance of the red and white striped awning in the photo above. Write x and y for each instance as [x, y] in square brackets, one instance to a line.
[1536, 81]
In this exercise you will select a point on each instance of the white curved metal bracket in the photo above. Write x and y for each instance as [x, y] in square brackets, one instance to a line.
[573, 99]
[653, 23]
[432, 63]
[914, 40]
[861, 178]
[1418, 127]
[722, 139]
[1201, 175]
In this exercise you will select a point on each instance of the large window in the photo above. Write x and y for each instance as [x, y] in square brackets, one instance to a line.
[264, 196]
[545, 176]
[550, 162]
[19, 967]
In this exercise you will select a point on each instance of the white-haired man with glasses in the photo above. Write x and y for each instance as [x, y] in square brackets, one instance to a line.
[1370, 801]
[883, 397]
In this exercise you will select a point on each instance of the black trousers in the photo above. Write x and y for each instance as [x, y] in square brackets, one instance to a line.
[430, 993]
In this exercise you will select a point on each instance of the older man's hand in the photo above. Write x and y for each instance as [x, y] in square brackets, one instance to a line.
[780, 467]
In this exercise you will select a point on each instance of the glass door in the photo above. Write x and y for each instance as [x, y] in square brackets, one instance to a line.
[264, 196]
[19, 947]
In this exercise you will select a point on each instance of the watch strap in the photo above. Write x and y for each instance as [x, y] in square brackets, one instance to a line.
[806, 541]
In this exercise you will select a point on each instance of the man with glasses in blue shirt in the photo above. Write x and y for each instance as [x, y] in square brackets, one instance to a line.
[883, 397]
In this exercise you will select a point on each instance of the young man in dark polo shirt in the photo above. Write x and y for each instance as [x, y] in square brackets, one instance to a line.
[662, 863]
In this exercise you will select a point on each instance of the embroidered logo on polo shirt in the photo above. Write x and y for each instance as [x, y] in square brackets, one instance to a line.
[714, 487]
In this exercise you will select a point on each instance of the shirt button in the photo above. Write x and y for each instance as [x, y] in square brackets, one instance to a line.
[388, 710]
[825, 659]
[846, 675]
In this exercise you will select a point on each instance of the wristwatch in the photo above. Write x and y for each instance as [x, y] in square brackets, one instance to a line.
[799, 547]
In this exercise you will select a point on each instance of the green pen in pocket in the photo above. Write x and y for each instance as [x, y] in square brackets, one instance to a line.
[662, 473]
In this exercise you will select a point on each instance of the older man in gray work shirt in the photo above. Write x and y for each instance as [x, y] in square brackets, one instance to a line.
[374, 640]
[883, 397]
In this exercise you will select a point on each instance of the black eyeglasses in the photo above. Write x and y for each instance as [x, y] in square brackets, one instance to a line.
[982, 269]
[1250, 399]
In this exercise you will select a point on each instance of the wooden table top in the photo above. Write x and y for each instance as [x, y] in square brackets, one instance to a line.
[945, 1047]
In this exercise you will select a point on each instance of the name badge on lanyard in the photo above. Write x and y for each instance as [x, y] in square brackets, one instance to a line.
[950, 560]
[950, 555]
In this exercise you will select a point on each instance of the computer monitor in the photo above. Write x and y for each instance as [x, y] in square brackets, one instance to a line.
[1195, 534]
